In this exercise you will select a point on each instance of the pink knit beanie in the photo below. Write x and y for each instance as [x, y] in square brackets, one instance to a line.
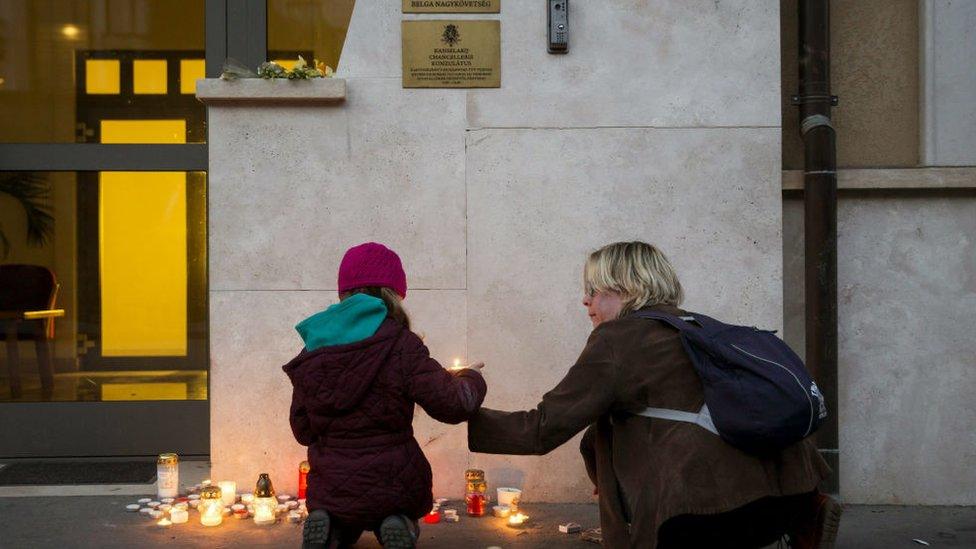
[372, 264]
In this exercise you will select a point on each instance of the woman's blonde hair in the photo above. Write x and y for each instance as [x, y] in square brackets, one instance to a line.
[392, 300]
[637, 271]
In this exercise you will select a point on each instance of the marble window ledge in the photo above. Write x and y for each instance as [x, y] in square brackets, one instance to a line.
[214, 91]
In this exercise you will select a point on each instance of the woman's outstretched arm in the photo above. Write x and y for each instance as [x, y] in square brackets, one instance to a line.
[586, 393]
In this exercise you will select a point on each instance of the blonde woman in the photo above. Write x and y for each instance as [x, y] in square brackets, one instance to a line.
[661, 483]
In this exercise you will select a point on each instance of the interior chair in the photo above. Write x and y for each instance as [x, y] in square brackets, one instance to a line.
[28, 294]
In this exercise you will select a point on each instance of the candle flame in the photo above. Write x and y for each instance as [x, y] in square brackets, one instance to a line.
[457, 363]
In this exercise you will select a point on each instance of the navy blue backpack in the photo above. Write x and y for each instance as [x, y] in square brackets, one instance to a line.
[758, 395]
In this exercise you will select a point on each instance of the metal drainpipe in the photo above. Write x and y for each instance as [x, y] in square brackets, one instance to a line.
[820, 215]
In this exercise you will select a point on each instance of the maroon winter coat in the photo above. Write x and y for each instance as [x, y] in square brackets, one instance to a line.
[353, 405]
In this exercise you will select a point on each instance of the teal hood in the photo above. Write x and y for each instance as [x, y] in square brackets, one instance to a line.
[354, 319]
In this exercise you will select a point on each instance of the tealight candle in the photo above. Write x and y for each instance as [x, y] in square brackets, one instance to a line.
[144, 500]
[501, 511]
[228, 491]
[164, 522]
[133, 507]
[178, 515]
[517, 520]
[247, 498]
[432, 517]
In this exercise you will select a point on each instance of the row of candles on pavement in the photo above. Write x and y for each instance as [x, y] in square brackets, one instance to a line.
[214, 501]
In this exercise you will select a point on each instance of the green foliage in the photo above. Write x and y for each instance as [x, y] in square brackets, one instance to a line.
[33, 193]
[234, 69]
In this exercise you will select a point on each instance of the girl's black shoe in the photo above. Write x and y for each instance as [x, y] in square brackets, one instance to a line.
[315, 535]
[398, 532]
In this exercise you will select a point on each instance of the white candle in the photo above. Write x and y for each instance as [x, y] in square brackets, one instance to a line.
[228, 491]
[265, 510]
[178, 515]
[164, 522]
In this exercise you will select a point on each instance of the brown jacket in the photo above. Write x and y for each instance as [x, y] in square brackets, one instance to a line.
[646, 470]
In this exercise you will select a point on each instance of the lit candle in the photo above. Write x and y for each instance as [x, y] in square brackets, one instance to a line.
[265, 504]
[457, 364]
[433, 517]
[228, 491]
[211, 506]
[164, 522]
[517, 520]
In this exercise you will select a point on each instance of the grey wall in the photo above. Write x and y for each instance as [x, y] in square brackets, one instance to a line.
[662, 124]
[907, 356]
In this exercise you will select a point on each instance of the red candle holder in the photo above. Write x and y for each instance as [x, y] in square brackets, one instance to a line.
[432, 517]
[303, 469]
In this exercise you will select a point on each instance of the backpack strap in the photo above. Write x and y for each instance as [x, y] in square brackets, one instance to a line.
[684, 323]
[703, 418]
[680, 323]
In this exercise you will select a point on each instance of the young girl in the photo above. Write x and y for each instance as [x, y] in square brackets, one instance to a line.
[354, 388]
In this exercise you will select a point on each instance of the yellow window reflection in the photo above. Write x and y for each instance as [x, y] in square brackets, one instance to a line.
[149, 76]
[143, 131]
[191, 70]
[142, 263]
[102, 76]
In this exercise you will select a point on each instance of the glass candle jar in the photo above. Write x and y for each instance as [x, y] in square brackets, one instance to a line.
[303, 469]
[265, 503]
[475, 492]
[228, 491]
[211, 506]
[168, 475]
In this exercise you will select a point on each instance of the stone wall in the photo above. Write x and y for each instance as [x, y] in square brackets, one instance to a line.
[661, 124]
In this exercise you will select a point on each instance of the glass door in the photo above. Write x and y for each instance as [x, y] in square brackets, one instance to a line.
[103, 193]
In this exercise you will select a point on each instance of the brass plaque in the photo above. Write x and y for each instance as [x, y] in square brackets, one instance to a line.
[452, 6]
[451, 54]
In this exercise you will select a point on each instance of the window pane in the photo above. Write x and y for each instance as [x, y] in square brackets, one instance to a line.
[127, 253]
[66, 65]
[315, 29]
